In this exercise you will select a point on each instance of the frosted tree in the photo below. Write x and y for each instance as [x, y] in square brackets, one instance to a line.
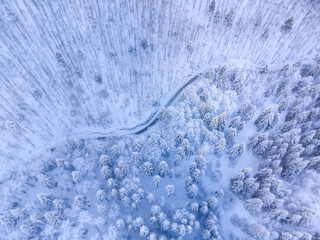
[237, 83]
[204, 96]
[137, 145]
[101, 194]
[157, 180]
[260, 144]
[294, 167]
[177, 159]
[105, 160]
[247, 110]
[81, 202]
[212, 202]
[220, 145]
[237, 183]
[222, 77]
[37, 218]
[116, 151]
[60, 204]
[106, 172]
[266, 120]
[148, 168]
[144, 231]
[18, 213]
[120, 172]
[136, 158]
[212, 6]
[258, 231]
[54, 217]
[194, 207]
[192, 190]
[8, 220]
[314, 163]
[230, 135]
[294, 110]
[213, 123]
[253, 205]
[200, 161]
[30, 228]
[77, 176]
[111, 183]
[46, 181]
[169, 190]
[236, 123]
[206, 234]
[222, 121]
[307, 139]
[236, 150]
[203, 208]
[102, 209]
[287, 26]
[61, 163]
[163, 168]
[283, 104]
[307, 216]
[284, 88]
[121, 224]
[45, 199]
[279, 214]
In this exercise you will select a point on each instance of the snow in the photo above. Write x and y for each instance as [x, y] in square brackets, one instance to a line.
[143, 81]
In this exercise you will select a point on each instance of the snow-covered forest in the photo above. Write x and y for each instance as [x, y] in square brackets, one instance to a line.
[160, 120]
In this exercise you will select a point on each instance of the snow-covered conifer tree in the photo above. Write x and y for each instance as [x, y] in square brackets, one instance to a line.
[148, 168]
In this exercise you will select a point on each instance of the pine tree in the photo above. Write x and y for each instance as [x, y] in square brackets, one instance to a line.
[266, 120]
[230, 135]
[148, 168]
[106, 172]
[192, 190]
[105, 161]
[247, 111]
[102, 209]
[222, 77]
[77, 176]
[254, 205]
[200, 161]
[257, 231]
[30, 228]
[236, 123]
[222, 121]
[204, 208]
[170, 190]
[229, 18]
[163, 168]
[81, 202]
[8, 220]
[287, 26]
[45, 199]
[54, 217]
[157, 180]
[219, 146]
[212, 202]
[212, 6]
[307, 216]
[283, 104]
[294, 167]
[236, 150]
[37, 218]
[60, 204]
[46, 181]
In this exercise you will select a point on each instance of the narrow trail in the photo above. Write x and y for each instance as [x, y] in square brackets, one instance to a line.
[152, 119]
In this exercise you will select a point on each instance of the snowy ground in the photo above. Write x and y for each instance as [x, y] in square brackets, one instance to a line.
[160, 120]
